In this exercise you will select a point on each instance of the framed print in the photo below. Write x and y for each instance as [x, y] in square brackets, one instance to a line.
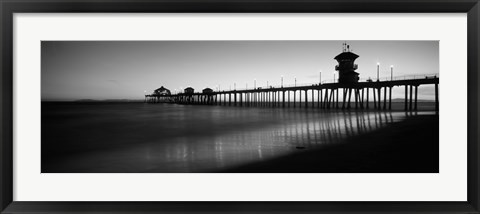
[239, 106]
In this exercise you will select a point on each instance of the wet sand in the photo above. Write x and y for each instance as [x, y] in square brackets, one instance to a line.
[409, 146]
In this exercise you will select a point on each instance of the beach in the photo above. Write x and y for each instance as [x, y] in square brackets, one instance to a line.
[96, 137]
[409, 146]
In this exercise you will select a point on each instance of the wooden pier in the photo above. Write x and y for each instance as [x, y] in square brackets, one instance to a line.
[360, 95]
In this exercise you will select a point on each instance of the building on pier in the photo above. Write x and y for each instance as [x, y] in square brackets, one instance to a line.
[346, 66]
[207, 91]
[189, 90]
[161, 91]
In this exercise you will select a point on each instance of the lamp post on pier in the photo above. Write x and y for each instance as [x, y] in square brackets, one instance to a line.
[295, 81]
[391, 72]
[254, 84]
[378, 71]
[320, 78]
[282, 81]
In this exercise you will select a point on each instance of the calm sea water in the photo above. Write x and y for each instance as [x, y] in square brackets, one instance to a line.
[139, 137]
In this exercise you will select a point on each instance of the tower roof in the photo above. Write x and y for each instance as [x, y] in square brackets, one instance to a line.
[346, 55]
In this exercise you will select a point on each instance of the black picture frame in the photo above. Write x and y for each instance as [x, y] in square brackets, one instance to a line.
[9, 7]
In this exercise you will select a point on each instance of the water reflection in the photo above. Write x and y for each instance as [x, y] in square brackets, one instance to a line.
[209, 139]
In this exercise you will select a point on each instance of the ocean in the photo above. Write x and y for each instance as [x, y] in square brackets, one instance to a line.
[99, 137]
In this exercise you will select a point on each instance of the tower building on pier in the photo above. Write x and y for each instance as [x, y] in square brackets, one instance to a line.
[346, 66]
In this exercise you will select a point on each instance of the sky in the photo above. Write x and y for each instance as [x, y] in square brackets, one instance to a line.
[73, 70]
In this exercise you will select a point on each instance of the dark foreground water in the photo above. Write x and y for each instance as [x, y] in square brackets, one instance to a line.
[138, 137]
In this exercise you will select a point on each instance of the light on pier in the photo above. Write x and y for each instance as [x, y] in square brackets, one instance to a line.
[378, 71]
[391, 72]
[320, 77]
[282, 81]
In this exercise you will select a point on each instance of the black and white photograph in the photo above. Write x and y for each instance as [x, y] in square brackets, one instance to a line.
[240, 106]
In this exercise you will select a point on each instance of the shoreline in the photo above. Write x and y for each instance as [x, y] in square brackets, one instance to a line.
[409, 146]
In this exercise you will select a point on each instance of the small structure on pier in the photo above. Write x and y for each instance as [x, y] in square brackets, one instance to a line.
[161, 91]
[189, 90]
[346, 66]
[207, 91]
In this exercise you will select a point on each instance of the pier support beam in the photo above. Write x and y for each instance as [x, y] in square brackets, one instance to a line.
[331, 100]
[406, 97]
[368, 101]
[385, 98]
[361, 99]
[262, 94]
[313, 98]
[416, 97]
[274, 98]
[319, 98]
[390, 99]
[241, 99]
[325, 99]
[288, 93]
[269, 99]
[349, 98]
[306, 99]
[336, 101]
[411, 97]
[294, 98]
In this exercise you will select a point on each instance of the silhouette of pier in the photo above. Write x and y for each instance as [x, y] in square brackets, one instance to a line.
[361, 95]
[346, 92]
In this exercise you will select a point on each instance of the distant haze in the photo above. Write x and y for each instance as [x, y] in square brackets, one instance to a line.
[73, 70]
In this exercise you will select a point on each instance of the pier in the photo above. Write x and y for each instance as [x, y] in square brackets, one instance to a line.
[346, 92]
[360, 95]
